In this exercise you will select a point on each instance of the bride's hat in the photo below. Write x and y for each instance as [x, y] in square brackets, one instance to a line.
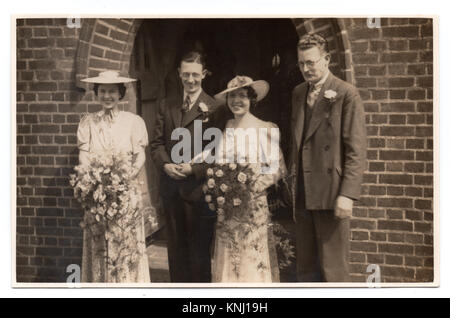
[261, 87]
[108, 77]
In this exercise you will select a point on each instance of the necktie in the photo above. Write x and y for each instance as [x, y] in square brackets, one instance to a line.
[186, 104]
[313, 93]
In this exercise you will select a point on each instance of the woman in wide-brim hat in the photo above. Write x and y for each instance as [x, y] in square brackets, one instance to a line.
[111, 130]
[252, 257]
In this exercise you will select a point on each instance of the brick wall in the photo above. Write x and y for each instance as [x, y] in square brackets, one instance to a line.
[393, 223]
[392, 67]
[48, 111]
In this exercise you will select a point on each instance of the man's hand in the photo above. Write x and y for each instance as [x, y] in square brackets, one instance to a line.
[174, 171]
[185, 168]
[343, 207]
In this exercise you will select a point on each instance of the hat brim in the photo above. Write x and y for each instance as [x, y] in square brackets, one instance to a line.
[105, 80]
[261, 88]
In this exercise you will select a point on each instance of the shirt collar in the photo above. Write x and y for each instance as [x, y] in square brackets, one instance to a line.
[322, 81]
[193, 97]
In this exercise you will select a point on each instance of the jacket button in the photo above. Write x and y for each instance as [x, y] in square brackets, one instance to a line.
[327, 147]
[329, 170]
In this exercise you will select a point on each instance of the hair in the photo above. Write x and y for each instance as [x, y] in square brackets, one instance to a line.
[313, 40]
[194, 57]
[252, 96]
[120, 86]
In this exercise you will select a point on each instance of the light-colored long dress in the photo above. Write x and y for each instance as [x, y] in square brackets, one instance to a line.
[125, 133]
[256, 256]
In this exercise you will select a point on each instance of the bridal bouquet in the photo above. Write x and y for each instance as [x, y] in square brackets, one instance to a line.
[111, 201]
[233, 192]
[228, 189]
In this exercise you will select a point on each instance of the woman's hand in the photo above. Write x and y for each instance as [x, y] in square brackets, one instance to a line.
[174, 171]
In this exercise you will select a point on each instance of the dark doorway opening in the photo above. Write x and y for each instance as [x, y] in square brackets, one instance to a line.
[259, 48]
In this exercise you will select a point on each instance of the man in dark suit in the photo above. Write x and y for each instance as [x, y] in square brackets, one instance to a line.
[327, 162]
[189, 230]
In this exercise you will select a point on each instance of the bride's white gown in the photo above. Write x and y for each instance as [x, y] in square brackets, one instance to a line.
[252, 257]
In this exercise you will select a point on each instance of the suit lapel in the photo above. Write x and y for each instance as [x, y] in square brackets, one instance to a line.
[319, 109]
[194, 112]
[176, 111]
[300, 115]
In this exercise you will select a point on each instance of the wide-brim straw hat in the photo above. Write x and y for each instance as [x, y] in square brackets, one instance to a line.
[261, 88]
[108, 77]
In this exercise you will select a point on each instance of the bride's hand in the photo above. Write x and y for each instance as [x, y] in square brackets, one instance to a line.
[185, 168]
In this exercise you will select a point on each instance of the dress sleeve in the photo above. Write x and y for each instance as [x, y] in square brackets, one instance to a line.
[84, 134]
[139, 136]
[273, 167]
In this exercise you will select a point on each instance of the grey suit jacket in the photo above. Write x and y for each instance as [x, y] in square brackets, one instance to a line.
[334, 147]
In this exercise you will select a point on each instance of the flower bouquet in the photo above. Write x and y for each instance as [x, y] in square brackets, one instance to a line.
[111, 200]
[234, 192]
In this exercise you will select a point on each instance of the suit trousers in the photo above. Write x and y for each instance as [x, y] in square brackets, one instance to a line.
[189, 236]
[323, 245]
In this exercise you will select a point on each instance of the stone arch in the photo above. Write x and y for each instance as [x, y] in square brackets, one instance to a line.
[108, 44]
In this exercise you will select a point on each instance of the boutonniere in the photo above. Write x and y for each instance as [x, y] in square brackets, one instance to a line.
[330, 95]
[205, 111]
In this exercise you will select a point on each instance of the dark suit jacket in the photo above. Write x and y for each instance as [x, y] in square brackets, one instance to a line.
[334, 147]
[169, 118]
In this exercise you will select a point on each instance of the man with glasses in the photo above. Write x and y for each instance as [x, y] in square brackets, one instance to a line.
[189, 231]
[327, 163]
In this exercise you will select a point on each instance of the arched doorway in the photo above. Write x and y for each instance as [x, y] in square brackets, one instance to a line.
[259, 48]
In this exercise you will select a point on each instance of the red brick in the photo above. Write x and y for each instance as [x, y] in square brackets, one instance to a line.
[425, 82]
[377, 213]
[41, 43]
[397, 119]
[399, 107]
[377, 143]
[366, 82]
[401, 31]
[363, 247]
[401, 82]
[366, 58]
[424, 155]
[362, 224]
[423, 204]
[398, 131]
[395, 154]
[397, 94]
[429, 262]
[406, 57]
[360, 236]
[394, 260]
[423, 227]
[414, 167]
[395, 214]
[415, 120]
[424, 131]
[43, 86]
[375, 258]
[416, 69]
[398, 191]
[394, 166]
[426, 30]
[423, 250]
[357, 257]
[394, 202]
[396, 249]
[425, 107]
[424, 275]
[413, 261]
[378, 236]
[416, 94]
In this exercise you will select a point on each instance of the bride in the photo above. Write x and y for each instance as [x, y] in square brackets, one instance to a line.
[244, 248]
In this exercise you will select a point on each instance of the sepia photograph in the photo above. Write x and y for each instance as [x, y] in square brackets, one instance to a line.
[217, 151]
